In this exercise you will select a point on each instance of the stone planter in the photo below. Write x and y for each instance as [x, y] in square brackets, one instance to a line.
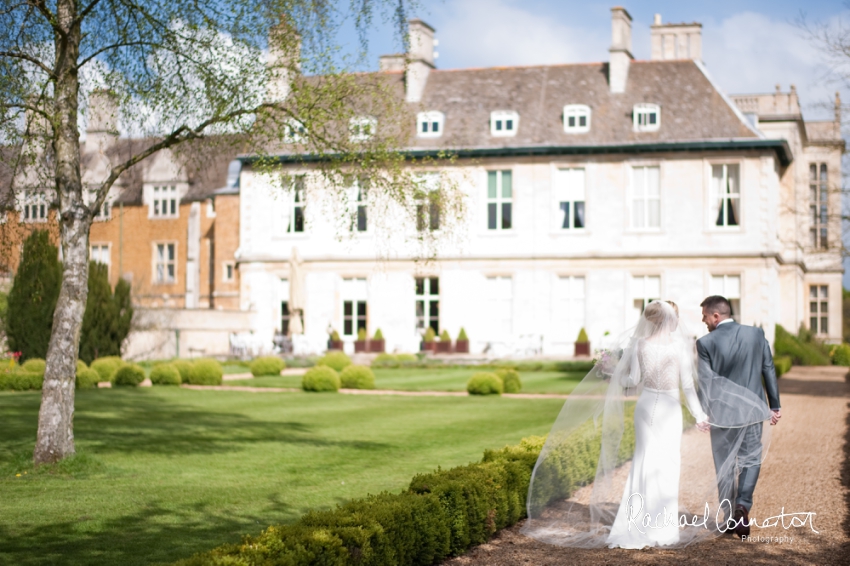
[444, 347]
[583, 349]
[461, 346]
[427, 346]
[377, 346]
[361, 346]
[335, 344]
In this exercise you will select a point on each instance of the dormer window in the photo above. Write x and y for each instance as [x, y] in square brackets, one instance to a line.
[646, 117]
[504, 123]
[429, 124]
[164, 202]
[362, 128]
[34, 208]
[576, 118]
[294, 131]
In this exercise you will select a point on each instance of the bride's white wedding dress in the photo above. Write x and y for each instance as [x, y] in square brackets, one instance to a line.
[653, 484]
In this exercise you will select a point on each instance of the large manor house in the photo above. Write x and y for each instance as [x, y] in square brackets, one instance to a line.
[591, 189]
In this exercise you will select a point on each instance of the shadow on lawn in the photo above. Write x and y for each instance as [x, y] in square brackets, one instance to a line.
[154, 534]
[134, 422]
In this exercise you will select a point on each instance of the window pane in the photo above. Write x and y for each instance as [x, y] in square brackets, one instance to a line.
[347, 327]
[582, 121]
[491, 184]
[498, 125]
[420, 309]
[171, 272]
[420, 286]
[824, 327]
[639, 174]
[509, 124]
[653, 184]
[173, 206]
[361, 306]
[435, 286]
[565, 208]
[654, 213]
[571, 121]
[171, 252]
[638, 216]
[507, 189]
[434, 309]
[435, 216]
[506, 215]
[823, 291]
[347, 308]
[823, 171]
[491, 216]
[435, 126]
[361, 218]
[578, 221]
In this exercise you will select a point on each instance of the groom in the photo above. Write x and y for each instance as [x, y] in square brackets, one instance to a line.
[741, 354]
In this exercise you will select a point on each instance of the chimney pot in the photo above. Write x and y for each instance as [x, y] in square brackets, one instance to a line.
[103, 113]
[621, 49]
[421, 55]
[657, 20]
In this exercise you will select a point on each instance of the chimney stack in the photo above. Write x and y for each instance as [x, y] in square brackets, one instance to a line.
[421, 55]
[675, 41]
[393, 62]
[102, 129]
[284, 61]
[621, 49]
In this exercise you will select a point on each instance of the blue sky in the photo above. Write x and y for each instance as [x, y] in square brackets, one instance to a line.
[748, 45]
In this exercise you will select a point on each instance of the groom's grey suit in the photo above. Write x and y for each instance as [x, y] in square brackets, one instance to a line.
[741, 354]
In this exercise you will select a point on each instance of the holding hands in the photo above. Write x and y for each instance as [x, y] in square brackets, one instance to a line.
[775, 415]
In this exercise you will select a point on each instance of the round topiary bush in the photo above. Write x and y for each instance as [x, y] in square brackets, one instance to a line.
[268, 365]
[357, 377]
[403, 358]
[337, 361]
[184, 367]
[81, 365]
[510, 380]
[320, 378]
[484, 383]
[35, 365]
[87, 378]
[107, 367]
[165, 374]
[205, 372]
[130, 375]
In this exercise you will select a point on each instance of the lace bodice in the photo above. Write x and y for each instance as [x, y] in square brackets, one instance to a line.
[659, 364]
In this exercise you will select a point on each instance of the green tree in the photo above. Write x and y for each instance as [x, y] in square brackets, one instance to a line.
[250, 74]
[32, 299]
[106, 322]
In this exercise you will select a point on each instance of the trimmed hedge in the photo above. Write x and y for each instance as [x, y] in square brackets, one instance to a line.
[130, 375]
[841, 354]
[87, 378]
[20, 380]
[321, 378]
[205, 371]
[484, 383]
[511, 382]
[184, 367]
[268, 365]
[107, 367]
[782, 364]
[165, 374]
[336, 360]
[34, 365]
[802, 350]
[395, 361]
[357, 377]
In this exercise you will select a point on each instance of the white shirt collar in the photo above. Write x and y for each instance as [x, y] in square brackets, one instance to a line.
[724, 321]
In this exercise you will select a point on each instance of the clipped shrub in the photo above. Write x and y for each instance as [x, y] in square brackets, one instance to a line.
[335, 336]
[87, 378]
[321, 378]
[165, 374]
[20, 380]
[130, 375]
[361, 334]
[205, 371]
[107, 367]
[462, 334]
[574, 366]
[268, 365]
[582, 337]
[841, 354]
[35, 365]
[429, 335]
[444, 336]
[782, 364]
[183, 367]
[81, 365]
[511, 382]
[484, 383]
[802, 349]
[405, 358]
[357, 377]
[336, 360]
[378, 335]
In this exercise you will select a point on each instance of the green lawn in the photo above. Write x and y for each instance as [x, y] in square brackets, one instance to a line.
[166, 472]
[418, 379]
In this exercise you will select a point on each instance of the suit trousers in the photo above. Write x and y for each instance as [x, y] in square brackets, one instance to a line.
[747, 448]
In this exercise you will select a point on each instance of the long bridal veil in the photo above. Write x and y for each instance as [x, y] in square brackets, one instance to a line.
[579, 479]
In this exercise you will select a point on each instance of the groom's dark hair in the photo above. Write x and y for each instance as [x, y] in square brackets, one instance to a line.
[718, 304]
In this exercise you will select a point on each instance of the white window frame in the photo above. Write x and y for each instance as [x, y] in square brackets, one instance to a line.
[34, 209]
[729, 286]
[286, 206]
[354, 290]
[576, 112]
[715, 196]
[96, 253]
[643, 288]
[639, 216]
[499, 122]
[819, 298]
[294, 131]
[641, 117]
[156, 263]
[819, 205]
[430, 124]
[358, 204]
[228, 266]
[429, 183]
[165, 195]
[211, 207]
[570, 187]
[424, 301]
[499, 200]
[570, 308]
[362, 128]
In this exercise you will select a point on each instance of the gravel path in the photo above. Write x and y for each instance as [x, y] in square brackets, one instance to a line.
[808, 470]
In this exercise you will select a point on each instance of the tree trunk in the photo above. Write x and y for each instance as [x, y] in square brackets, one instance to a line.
[56, 416]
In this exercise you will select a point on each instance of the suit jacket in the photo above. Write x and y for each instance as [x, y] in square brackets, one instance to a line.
[741, 353]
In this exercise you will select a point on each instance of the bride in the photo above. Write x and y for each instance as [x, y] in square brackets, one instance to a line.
[617, 469]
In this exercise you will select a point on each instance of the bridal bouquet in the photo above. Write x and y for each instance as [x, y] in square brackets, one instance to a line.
[606, 360]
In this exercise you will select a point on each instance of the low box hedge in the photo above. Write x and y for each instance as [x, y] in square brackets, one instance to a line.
[165, 374]
[34, 365]
[18, 379]
[268, 365]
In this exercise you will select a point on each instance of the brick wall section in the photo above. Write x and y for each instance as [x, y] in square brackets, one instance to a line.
[226, 234]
